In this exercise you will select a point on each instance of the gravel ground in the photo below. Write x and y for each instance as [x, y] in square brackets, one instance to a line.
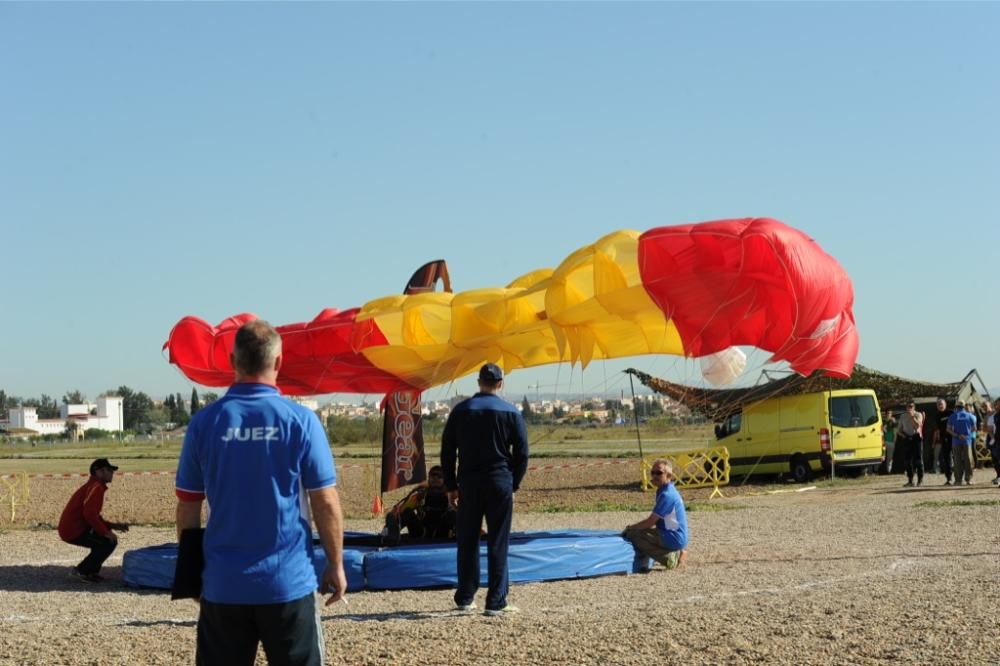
[864, 573]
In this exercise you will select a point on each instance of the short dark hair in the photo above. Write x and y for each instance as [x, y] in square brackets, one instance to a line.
[256, 346]
[490, 376]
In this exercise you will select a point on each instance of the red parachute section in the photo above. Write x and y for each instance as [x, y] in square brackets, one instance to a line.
[754, 282]
[317, 356]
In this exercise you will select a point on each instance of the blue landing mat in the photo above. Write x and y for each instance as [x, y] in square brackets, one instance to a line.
[533, 556]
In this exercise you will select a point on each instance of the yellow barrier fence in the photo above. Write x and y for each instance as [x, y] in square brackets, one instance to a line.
[14, 492]
[982, 453]
[695, 468]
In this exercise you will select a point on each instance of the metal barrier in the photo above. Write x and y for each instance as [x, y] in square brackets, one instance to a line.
[14, 492]
[981, 453]
[695, 468]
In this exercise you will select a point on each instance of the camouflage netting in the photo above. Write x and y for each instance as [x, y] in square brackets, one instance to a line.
[892, 391]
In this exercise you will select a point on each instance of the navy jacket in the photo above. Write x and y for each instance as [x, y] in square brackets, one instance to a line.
[489, 437]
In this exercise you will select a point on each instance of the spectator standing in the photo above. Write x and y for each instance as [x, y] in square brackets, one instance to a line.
[988, 428]
[889, 440]
[82, 524]
[962, 428]
[994, 429]
[488, 437]
[986, 423]
[942, 447]
[910, 424]
[253, 455]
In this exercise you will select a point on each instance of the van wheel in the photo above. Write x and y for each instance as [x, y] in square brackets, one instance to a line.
[801, 471]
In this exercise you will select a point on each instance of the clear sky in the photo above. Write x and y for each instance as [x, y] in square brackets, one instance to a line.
[165, 159]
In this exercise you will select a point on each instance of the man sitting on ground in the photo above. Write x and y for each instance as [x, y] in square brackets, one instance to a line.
[666, 542]
[425, 512]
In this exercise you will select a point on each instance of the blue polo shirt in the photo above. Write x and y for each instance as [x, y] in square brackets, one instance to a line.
[253, 455]
[673, 524]
[963, 423]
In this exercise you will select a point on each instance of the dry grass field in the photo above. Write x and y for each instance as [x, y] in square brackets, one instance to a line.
[856, 572]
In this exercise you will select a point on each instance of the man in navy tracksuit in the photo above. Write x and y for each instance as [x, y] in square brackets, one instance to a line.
[490, 440]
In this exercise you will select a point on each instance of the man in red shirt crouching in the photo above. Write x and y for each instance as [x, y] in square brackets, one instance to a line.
[81, 523]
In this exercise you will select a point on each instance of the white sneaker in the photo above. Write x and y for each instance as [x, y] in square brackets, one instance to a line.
[498, 612]
[466, 608]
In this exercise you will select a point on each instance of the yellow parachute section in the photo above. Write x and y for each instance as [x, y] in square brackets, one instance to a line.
[593, 306]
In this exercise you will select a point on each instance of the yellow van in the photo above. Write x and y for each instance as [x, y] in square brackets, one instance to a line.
[796, 434]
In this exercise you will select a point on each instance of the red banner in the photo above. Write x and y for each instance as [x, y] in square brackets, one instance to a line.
[402, 436]
[402, 441]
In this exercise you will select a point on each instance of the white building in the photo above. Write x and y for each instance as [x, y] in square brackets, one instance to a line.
[309, 403]
[108, 414]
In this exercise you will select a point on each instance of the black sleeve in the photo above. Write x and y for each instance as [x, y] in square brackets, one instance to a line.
[449, 453]
[519, 450]
[189, 565]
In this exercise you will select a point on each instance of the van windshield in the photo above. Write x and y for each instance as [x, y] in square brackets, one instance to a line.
[855, 411]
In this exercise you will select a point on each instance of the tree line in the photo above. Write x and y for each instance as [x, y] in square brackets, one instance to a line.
[645, 408]
[140, 412]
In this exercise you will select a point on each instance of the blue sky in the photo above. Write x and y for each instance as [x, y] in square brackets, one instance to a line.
[165, 159]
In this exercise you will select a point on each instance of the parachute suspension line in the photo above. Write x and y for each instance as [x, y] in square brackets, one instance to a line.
[604, 371]
[833, 473]
[635, 417]
[373, 471]
[558, 391]
[557, 397]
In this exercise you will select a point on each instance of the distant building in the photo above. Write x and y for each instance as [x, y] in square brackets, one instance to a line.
[436, 407]
[348, 411]
[107, 414]
[309, 403]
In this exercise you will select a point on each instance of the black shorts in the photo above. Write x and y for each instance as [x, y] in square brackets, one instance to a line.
[228, 634]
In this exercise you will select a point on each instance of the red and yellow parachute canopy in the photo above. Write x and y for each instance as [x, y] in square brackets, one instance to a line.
[691, 290]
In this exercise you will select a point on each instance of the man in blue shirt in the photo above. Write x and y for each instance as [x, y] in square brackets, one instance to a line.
[255, 457]
[993, 420]
[962, 428]
[490, 440]
[666, 543]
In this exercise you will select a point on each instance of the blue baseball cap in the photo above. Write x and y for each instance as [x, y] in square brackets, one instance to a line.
[490, 373]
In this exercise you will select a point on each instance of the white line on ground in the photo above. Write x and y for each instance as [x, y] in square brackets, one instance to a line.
[896, 565]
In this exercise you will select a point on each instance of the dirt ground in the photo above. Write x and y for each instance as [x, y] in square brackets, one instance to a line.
[861, 573]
